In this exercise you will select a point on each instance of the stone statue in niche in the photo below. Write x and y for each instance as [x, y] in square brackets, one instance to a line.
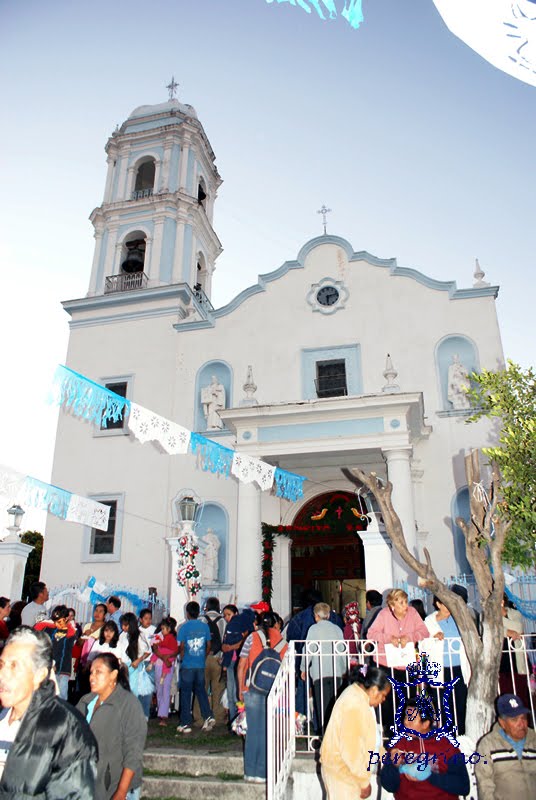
[210, 567]
[213, 401]
[457, 384]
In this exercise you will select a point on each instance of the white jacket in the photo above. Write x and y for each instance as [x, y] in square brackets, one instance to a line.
[434, 627]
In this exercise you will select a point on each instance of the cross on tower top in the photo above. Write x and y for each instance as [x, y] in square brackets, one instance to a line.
[172, 88]
[324, 211]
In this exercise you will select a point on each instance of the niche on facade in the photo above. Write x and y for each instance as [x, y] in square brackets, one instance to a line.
[460, 507]
[213, 533]
[133, 252]
[213, 393]
[144, 183]
[456, 359]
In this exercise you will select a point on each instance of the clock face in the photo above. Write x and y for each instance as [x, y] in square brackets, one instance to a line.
[327, 295]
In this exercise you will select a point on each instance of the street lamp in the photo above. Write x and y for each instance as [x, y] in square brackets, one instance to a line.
[15, 514]
[188, 505]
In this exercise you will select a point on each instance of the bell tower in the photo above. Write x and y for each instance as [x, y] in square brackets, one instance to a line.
[154, 226]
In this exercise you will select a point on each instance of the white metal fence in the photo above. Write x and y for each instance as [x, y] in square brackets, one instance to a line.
[131, 600]
[298, 710]
[281, 727]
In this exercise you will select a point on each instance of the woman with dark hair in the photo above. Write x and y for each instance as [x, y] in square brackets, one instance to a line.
[265, 635]
[418, 605]
[136, 649]
[108, 642]
[352, 735]
[15, 617]
[91, 631]
[5, 610]
[116, 719]
[231, 643]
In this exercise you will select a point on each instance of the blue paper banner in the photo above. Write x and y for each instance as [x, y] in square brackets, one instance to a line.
[214, 457]
[288, 485]
[86, 399]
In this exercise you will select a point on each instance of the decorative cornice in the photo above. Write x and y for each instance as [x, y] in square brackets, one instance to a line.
[179, 291]
[362, 255]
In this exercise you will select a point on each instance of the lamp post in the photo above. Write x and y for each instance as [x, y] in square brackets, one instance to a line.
[15, 514]
[184, 583]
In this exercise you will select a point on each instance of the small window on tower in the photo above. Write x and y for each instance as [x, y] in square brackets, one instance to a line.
[144, 180]
[201, 193]
[119, 388]
[331, 378]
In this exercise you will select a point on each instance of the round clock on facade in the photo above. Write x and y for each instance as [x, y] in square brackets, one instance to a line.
[327, 295]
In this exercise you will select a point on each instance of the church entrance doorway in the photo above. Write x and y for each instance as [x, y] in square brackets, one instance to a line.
[327, 551]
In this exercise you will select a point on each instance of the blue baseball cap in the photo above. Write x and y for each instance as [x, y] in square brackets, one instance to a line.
[510, 705]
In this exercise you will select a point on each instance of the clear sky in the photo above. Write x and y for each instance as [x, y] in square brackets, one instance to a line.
[423, 150]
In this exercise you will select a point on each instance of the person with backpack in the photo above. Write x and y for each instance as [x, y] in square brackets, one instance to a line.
[214, 677]
[260, 659]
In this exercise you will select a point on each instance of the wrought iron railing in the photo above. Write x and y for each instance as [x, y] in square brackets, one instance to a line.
[125, 282]
[140, 194]
[332, 385]
[203, 300]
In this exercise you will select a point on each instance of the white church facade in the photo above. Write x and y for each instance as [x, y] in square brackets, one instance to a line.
[294, 371]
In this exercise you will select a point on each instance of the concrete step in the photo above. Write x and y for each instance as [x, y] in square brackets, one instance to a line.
[187, 788]
[188, 762]
[175, 773]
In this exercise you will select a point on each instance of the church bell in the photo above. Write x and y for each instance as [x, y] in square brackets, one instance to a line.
[135, 256]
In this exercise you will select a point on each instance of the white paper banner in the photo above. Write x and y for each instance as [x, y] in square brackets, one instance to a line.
[150, 427]
[88, 512]
[249, 469]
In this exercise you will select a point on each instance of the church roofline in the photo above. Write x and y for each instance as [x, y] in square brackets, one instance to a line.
[391, 263]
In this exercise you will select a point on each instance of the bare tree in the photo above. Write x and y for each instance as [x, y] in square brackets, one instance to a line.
[484, 538]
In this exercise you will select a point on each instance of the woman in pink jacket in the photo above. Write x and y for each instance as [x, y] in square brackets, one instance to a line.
[397, 624]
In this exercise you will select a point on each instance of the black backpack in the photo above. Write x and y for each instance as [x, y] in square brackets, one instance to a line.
[264, 669]
[215, 635]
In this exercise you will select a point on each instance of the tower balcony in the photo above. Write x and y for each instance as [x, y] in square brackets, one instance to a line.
[126, 282]
[140, 194]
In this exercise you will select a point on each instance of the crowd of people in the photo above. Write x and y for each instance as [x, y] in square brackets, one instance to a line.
[95, 685]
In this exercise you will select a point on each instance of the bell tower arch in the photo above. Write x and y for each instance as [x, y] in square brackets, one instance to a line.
[158, 206]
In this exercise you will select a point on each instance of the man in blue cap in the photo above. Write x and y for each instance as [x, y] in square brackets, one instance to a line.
[507, 765]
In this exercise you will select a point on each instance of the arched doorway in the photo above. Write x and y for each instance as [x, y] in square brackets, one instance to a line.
[327, 552]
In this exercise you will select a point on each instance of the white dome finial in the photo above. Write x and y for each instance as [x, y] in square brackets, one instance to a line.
[390, 374]
[478, 275]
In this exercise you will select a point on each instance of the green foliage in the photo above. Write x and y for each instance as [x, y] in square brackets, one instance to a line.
[510, 397]
[33, 565]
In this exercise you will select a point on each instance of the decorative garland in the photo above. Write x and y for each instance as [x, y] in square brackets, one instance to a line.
[88, 400]
[187, 573]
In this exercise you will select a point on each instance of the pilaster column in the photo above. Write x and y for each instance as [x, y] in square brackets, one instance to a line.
[378, 556]
[109, 178]
[148, 255]
[98, 234]
[164, 173]
[109, 258]
[399, 473]
[177, 595]
[249, 544]
[183, 171]
[121, 188]
[13, 557]
[131, 177]
[157, 173]
[156, 249]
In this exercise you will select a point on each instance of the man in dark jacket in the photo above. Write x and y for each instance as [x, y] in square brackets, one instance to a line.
[48, 750]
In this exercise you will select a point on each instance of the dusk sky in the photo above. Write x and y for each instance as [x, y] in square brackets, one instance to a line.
[424, 151]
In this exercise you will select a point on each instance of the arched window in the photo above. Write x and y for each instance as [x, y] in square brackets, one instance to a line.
[456, 358]
[144, 184]
[133, 253]
[201, 272]
[202, 193]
